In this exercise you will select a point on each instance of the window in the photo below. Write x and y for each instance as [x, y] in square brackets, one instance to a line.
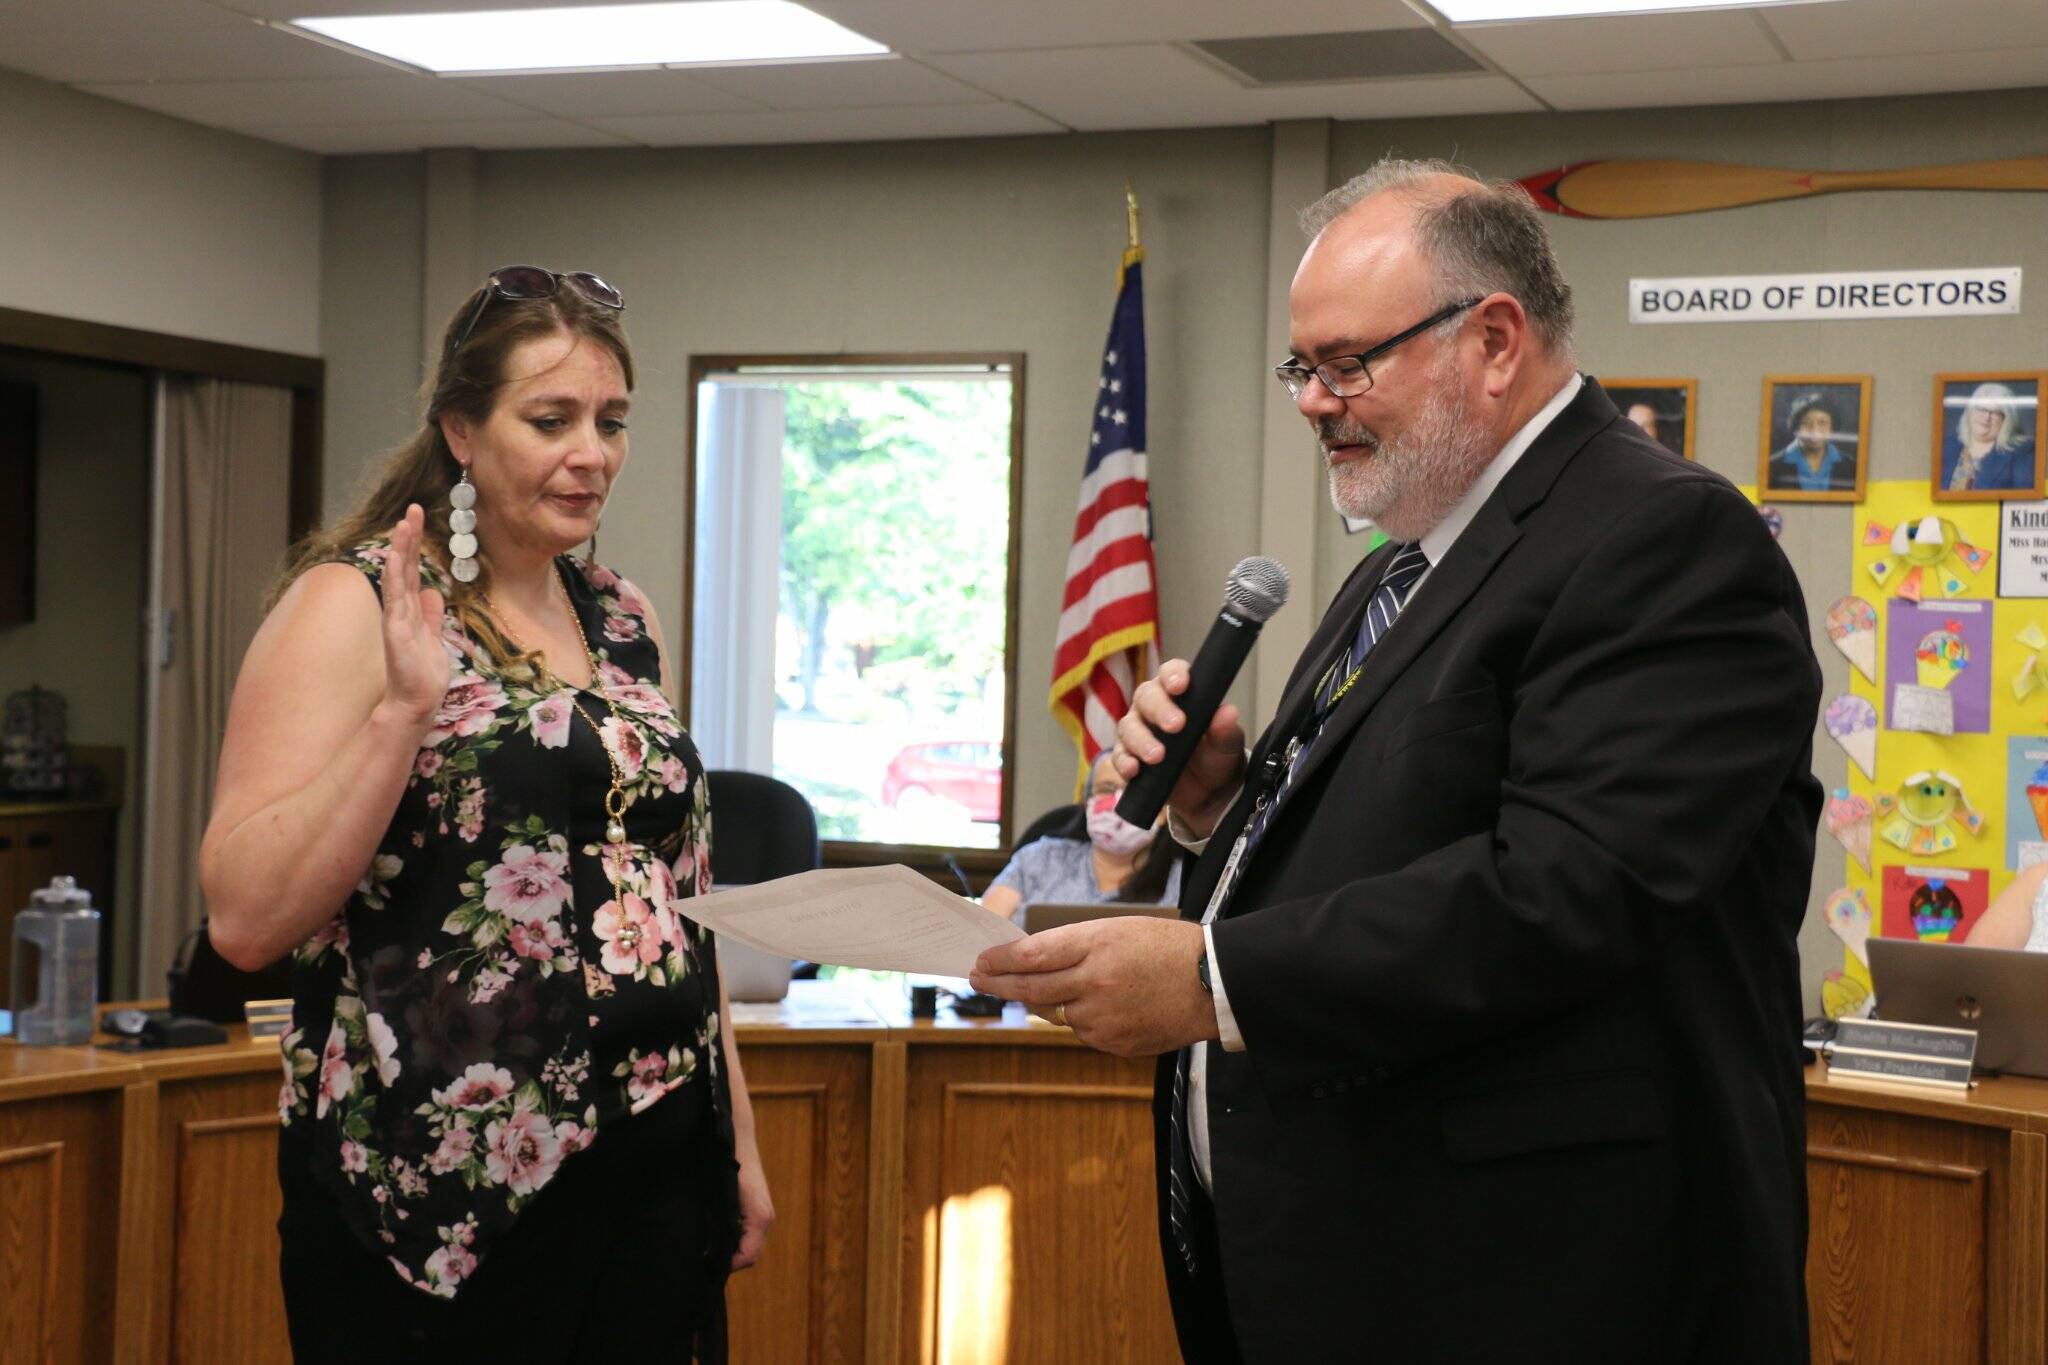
[853, 587]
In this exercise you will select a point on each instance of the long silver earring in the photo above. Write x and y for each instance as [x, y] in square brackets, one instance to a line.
[462, 530]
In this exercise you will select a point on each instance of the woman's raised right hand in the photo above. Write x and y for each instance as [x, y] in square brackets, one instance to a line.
[415, 663]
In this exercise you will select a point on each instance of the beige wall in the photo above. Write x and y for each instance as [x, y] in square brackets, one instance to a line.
[92, 537]
[113, 214]
[1008, 244]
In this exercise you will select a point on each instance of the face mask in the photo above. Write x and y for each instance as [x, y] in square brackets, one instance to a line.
[1111, 832]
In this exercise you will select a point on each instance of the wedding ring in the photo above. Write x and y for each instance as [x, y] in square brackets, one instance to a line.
[1059, 1014]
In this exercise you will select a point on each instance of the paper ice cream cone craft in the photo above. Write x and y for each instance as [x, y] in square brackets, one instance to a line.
[1852, 625]
[1848, 819]
[1941, 655]
[1927, 558]
[1844, 997]
[1922, 819]
[1852, 721]
[1848, 914]
[2037, 797]
[2033, 674]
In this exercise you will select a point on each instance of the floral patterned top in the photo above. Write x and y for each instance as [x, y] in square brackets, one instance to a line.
[475, 1015]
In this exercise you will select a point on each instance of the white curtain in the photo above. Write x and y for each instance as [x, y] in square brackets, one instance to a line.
[739, 561]
[224, 475]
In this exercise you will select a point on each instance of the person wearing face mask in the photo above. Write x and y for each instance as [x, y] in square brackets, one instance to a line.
[1099, 859]
[454, 787]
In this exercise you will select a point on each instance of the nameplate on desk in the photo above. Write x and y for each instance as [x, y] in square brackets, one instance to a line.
[267, 1018]
[1910, 1054]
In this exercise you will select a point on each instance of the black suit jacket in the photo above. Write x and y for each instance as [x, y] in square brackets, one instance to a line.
[1515, 962]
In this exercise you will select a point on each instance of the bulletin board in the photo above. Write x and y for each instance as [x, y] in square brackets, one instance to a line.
[1942, 822]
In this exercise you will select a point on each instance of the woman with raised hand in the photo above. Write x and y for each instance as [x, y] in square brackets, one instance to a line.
[454, 785]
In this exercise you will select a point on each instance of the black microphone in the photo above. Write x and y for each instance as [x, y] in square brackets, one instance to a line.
[1257, 588]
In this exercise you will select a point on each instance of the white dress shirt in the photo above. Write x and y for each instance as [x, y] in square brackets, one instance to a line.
[1436, 543]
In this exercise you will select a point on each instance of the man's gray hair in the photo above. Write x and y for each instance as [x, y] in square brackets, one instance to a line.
[1486, 238]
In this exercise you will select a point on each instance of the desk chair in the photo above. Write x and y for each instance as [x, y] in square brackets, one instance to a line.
[761, 828]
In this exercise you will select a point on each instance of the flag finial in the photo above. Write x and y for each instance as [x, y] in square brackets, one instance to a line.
[1134, 252]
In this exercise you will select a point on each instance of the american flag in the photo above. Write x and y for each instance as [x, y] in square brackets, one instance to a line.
[1108, 637]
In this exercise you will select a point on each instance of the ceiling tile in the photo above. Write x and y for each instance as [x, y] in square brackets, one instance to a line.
[611, 93]
[1156, 86]
[863, 82]
[919, 26]
[1639, 42]
[315, 9]
[1875, 28]
[494, 135]
[818, 125]
[1921, 74]
[222, 50]
[375, 99]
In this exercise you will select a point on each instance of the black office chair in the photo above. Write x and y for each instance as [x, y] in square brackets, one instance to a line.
[761, 828]
[1061, 822]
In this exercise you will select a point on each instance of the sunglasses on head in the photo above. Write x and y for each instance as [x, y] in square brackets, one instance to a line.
[535, 282]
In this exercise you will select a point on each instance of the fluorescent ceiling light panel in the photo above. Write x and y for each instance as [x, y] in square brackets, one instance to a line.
[1497, 11]
[701, 32]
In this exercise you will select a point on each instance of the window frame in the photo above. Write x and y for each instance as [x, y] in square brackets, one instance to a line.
[979, 863]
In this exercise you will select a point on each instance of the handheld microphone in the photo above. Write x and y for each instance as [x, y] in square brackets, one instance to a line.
[1257, 588]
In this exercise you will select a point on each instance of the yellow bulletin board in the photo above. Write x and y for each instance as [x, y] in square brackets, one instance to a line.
[1979, 761]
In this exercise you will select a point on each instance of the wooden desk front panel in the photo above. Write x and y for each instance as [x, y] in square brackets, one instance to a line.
[1925, 1240]
[60, 1160]
[805, 1300]
[1030, 1229]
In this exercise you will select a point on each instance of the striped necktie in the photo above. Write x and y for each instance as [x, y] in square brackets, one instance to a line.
[1397, 583]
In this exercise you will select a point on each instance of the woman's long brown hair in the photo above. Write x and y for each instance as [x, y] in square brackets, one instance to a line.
[423, 469]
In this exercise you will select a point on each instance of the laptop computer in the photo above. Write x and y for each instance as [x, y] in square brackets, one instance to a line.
[750, 974]
[1042, 915]
[2001, 993]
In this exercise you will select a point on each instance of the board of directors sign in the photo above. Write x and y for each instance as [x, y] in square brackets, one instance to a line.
[1855, 294]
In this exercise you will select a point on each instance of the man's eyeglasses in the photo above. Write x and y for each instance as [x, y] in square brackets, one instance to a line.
[534, 282]
[1348, 376]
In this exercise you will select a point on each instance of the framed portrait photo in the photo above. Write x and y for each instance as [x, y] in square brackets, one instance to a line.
[1987, 436]
[1661, 407]
[1816, 438]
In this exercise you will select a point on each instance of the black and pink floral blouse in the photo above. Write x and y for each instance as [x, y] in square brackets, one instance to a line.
[474, 1016]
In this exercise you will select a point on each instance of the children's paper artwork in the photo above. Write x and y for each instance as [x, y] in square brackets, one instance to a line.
[1852, 625]
[1934, 904]
[1928, 558]
[1852, 723]
[1928, 815]
[1842, 996]
[1848, 915]
[2026, 796]
[2033, 673]
[1848, 818]
[1939, 651]
[1923, 710]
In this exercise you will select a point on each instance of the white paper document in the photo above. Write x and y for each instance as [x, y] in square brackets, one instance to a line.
[886, 919]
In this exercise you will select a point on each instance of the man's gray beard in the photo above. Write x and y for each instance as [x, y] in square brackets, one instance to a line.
[1408, 485]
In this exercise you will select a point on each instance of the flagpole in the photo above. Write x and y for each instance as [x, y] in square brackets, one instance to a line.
[1134, 252]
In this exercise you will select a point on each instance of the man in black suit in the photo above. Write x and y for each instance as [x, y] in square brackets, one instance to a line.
[1485, 1046]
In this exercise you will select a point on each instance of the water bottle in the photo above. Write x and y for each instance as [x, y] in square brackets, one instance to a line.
[64, 928]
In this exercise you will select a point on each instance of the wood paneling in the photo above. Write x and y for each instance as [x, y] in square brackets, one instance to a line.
[1030, 1224]
[215, 1260]
[805, 1299]
[1912, 1239]
[59, 1181]
[225, 1301]
[31, 1213]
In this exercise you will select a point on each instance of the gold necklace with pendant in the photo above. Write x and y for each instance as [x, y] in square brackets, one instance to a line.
[616, 799]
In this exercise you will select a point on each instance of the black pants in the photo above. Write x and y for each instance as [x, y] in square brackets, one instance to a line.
[621, 1257]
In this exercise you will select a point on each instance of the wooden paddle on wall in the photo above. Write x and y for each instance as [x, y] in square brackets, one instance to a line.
[1654, 189]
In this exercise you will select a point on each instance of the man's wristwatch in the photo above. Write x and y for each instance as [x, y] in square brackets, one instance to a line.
[1202, 973]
